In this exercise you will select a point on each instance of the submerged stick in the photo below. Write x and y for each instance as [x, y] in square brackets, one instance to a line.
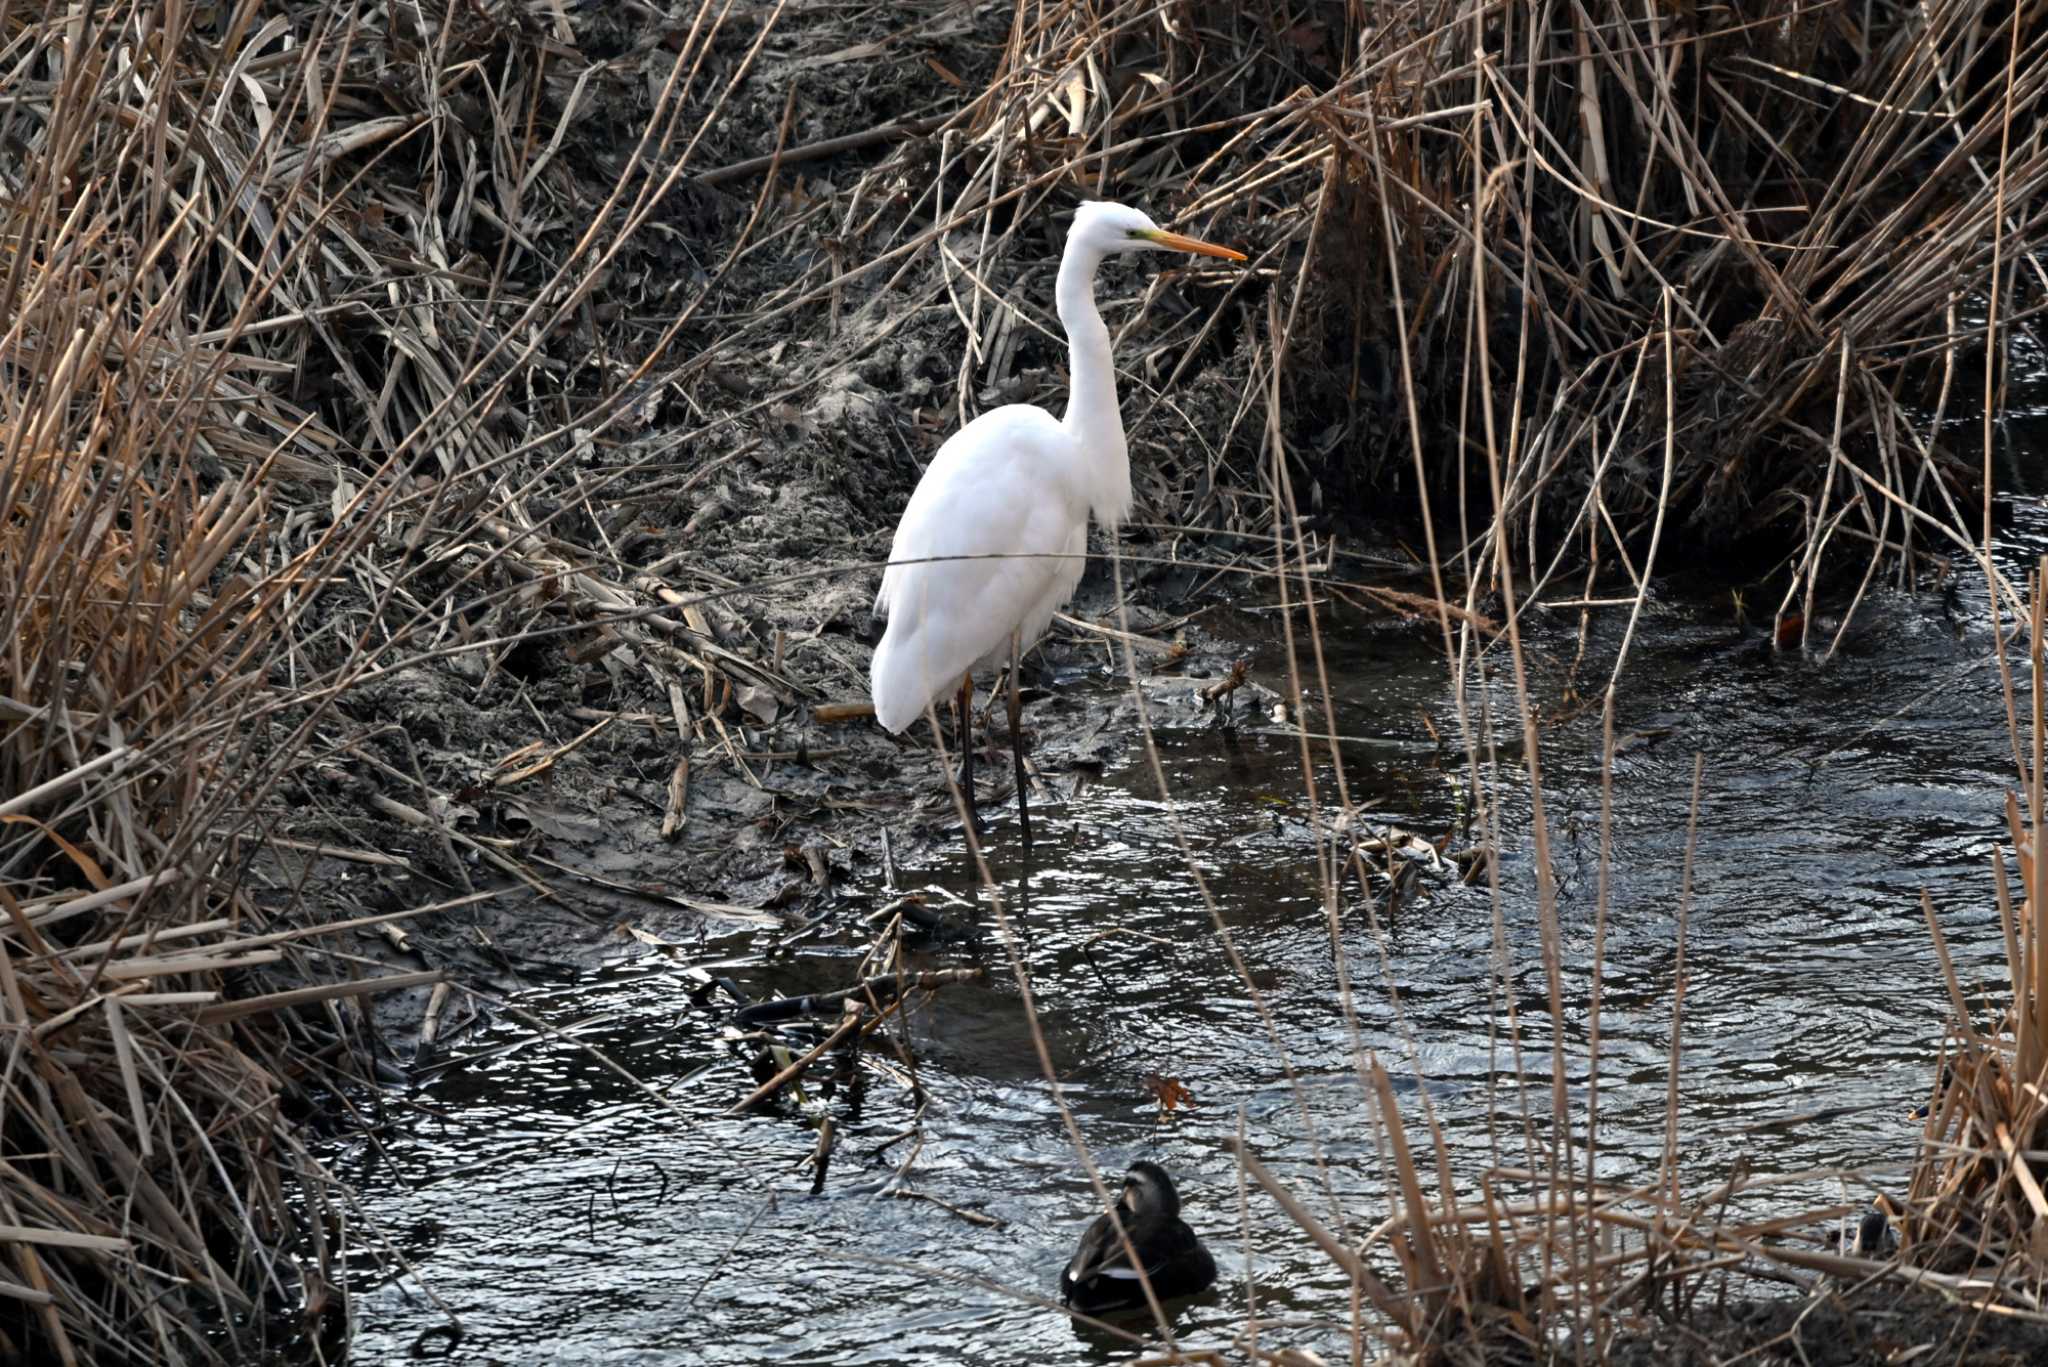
[319, 992]
[849, 1020]
[878, 989]
[821, 1157]
[972, 1217]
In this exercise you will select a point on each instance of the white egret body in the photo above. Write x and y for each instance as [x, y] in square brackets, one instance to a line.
[994, 538]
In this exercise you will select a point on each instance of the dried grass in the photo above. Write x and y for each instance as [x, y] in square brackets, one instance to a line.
[1476, 220]
[1975, 1212]
[237, 337]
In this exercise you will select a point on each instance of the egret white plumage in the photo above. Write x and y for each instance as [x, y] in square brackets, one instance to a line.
[995, 536]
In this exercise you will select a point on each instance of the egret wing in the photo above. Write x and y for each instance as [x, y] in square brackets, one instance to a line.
[989, 544]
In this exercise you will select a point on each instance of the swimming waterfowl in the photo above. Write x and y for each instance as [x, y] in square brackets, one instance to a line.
[1874, 1237]
[1100, 1276]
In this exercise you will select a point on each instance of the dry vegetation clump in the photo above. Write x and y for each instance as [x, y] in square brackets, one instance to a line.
[235, 385]
[1710, 264]
[1975, 1211]
[1598, 269]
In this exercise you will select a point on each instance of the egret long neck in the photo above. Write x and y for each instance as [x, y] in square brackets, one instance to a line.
[1092, 414]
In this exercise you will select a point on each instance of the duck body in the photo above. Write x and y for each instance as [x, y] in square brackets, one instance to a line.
[1101, 1276]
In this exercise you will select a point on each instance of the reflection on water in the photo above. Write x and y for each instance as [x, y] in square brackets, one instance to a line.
[567, 1217]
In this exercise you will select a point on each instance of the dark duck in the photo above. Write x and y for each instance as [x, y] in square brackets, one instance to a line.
[1101, 1276]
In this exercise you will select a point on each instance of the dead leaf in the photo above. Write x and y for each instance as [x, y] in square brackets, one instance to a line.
[759, 702]
[1169, 1092]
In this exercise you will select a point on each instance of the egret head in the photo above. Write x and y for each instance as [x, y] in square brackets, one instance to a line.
[1102, 227]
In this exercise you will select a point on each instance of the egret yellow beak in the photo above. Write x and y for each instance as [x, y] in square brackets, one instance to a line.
[1189, 244]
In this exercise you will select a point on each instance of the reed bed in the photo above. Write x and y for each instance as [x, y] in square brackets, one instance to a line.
[226, 363]
[1970, 1220]
[344, 344]
[1728, 269]
[1575, 266]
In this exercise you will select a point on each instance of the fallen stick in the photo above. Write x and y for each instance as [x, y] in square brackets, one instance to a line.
[64, 1238]
[21, 802]
[43, 915]
[301, 996]
[1230, 682]
[824, 147]
[430, 1024]
[1132, 639]
[821, 1157]
[547, 761]
[678, 799]
[971, 1216]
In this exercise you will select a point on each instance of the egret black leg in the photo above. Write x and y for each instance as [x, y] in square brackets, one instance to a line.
[966, 740]
[1017, 747]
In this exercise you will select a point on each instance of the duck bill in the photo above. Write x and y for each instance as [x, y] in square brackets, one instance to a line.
[1181, 243]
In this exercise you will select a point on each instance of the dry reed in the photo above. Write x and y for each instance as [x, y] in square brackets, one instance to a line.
[1975, 1207]
[253, 304]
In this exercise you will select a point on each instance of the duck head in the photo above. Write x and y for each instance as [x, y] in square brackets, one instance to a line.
[1148, 1191]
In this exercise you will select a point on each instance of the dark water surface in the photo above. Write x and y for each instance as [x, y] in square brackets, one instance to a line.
[567, 1216]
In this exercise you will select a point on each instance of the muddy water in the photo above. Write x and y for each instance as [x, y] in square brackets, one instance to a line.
[567, 1216]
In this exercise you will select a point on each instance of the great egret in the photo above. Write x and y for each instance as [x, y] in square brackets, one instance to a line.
[1102, 1275]
[995, 535]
